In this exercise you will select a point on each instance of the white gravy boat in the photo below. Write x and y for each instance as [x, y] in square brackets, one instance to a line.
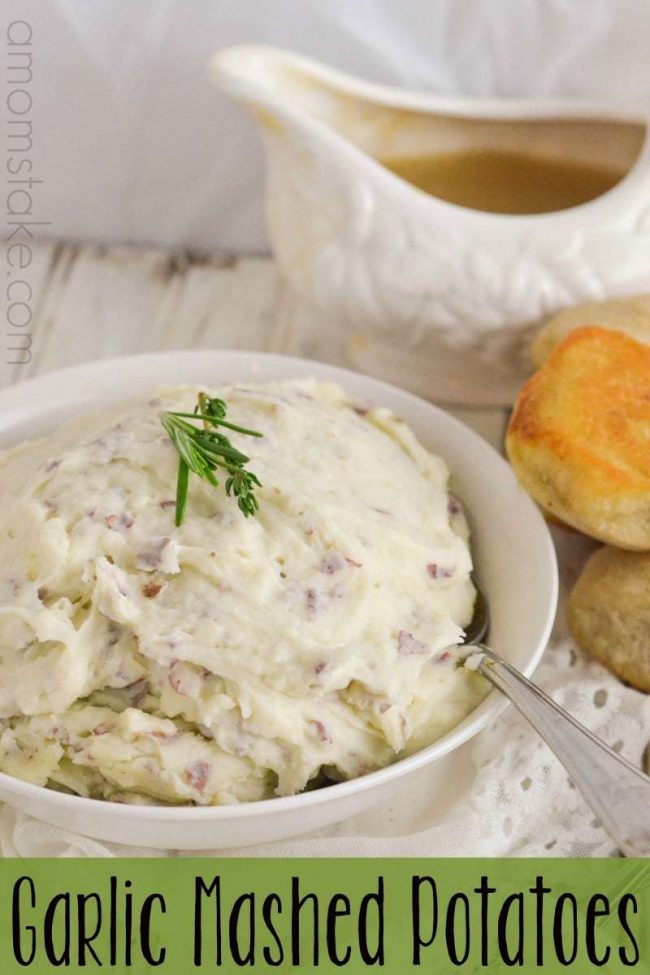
[435, 296]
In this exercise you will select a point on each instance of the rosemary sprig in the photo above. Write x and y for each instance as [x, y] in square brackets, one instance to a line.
[203, 450]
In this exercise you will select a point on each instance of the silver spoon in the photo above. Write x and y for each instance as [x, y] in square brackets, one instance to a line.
[617, 791]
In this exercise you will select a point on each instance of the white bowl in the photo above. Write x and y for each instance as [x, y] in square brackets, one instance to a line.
[512, 549]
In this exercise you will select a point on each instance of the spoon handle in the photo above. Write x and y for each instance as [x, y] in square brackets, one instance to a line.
[617, 792]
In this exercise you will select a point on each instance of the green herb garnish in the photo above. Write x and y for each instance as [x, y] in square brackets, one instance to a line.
[203, 450]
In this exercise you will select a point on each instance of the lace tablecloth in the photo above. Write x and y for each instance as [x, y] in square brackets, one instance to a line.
[501, 794]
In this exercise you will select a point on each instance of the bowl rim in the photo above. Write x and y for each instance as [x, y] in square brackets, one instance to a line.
[17, 395]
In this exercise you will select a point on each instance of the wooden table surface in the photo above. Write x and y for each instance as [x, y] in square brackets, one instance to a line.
[92, 302]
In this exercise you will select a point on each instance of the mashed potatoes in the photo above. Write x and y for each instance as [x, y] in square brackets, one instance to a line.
[231, 659]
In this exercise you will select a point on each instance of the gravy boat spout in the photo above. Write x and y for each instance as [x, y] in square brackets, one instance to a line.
[405, 245]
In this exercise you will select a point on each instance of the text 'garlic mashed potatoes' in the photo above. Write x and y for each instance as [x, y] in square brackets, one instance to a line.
[231, 659]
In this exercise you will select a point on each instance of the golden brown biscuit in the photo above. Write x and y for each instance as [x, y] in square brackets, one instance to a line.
[579, 437]
[629, 315]
[609, 613]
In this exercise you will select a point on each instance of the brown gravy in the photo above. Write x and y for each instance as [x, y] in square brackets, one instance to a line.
[505, 182]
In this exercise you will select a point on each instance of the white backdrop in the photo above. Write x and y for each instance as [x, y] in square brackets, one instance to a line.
[134, 144]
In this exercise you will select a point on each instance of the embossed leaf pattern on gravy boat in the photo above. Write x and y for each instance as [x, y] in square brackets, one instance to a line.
[434, 295]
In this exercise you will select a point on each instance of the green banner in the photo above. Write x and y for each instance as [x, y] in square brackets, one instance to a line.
[351, 916]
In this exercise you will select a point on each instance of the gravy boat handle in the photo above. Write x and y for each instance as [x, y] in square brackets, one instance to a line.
[617, 791]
